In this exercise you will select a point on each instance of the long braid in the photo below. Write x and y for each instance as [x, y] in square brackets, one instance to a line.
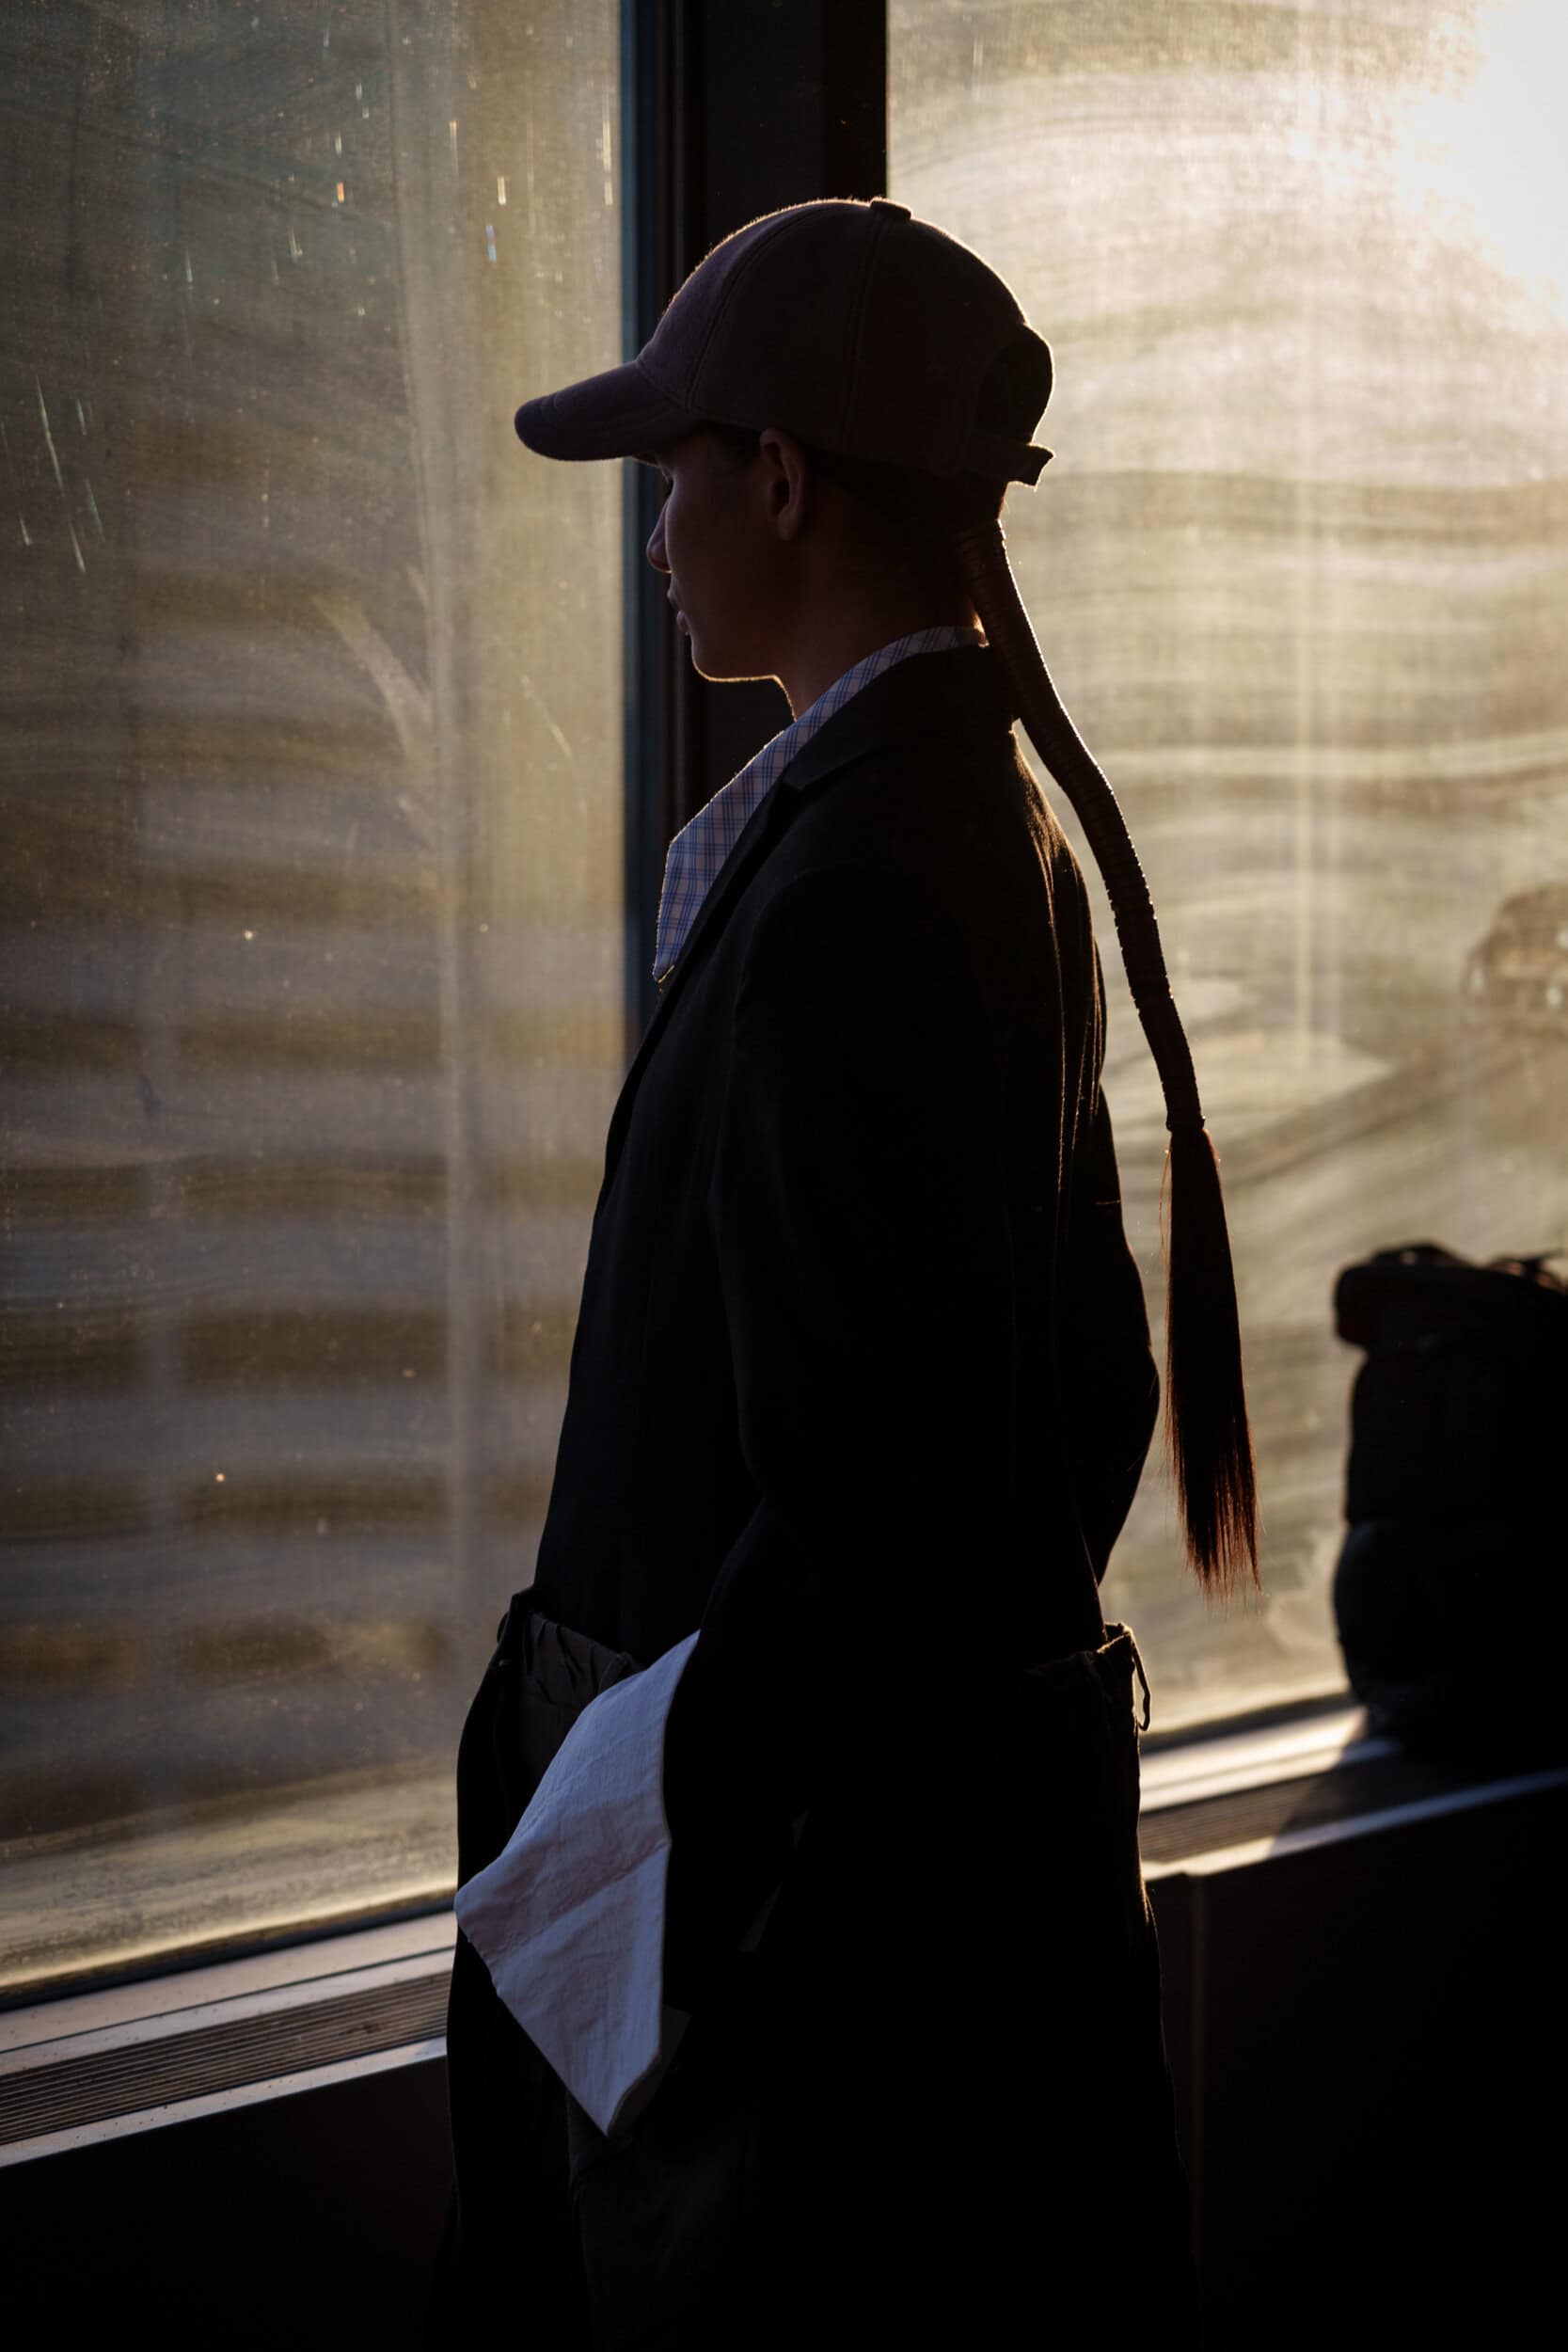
[1208, 1441]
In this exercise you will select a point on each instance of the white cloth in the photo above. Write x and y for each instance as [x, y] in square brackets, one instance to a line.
[569, 1917]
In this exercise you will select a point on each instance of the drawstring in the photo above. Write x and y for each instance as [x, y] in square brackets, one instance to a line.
[1115, 1632]
[1143, 1678]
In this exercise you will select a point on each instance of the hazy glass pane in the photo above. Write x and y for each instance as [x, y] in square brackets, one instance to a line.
[1298, 568]
[311, 957]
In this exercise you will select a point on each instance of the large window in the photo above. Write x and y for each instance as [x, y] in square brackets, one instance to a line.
[313, 932]
[1299, 570]
[312, 950]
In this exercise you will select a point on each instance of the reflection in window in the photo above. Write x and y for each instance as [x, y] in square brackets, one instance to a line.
[1299, 570]
[310, 936]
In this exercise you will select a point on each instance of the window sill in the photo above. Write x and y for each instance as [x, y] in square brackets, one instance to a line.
[1228, 1803]
[97, 2066]
[131, 2058]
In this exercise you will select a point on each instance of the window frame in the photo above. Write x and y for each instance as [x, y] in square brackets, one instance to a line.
[697, 164]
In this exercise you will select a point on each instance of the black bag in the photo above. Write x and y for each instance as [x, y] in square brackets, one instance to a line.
[1454, 1492]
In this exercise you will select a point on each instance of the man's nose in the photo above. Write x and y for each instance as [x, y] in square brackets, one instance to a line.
[656, 546]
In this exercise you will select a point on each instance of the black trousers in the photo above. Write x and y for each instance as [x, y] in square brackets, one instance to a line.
[934, 2102]
[511, 2254]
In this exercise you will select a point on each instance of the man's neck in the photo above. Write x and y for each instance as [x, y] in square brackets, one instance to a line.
[813, 666]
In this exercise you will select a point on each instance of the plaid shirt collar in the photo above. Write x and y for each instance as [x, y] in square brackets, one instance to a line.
[699, 849]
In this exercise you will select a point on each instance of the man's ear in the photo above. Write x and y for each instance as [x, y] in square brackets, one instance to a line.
[789, 483]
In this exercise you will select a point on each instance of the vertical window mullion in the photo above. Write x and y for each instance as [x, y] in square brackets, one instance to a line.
[732, 108]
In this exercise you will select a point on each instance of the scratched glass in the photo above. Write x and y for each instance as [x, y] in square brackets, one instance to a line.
[310, 929]
[1299, 569]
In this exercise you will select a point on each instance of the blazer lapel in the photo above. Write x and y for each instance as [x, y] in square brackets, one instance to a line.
[758, 836]
[966, 686]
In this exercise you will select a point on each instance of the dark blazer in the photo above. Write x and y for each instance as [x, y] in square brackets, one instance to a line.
[861, 1335]
[861, 1388]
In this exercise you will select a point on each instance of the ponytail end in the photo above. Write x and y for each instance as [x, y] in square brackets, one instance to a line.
[1208, 1438]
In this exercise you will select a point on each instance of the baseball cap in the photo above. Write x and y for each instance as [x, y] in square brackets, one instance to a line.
[851, 323]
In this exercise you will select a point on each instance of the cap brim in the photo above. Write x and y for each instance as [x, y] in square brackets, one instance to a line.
[618, 414]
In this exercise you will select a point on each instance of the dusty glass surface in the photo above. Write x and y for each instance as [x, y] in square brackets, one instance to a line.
[310, 927]
[1299, 569]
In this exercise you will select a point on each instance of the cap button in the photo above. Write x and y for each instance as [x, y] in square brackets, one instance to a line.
[886, 204]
